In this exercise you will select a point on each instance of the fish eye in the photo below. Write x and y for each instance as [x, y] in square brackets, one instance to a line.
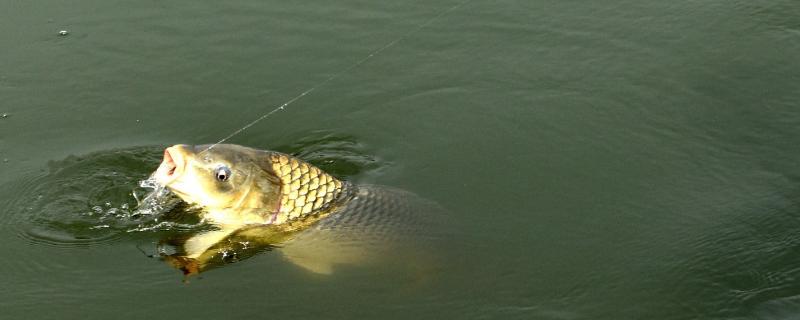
[222, 173]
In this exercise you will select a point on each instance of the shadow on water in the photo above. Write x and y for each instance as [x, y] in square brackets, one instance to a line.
[93, 199]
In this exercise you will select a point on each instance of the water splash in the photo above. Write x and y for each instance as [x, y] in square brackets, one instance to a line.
[154, 202]
[97, 198]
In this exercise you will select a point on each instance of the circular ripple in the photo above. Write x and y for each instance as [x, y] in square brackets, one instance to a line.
[85, 200]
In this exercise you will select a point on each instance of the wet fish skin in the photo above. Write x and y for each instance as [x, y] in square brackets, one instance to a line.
[264, 187]
[274, 200]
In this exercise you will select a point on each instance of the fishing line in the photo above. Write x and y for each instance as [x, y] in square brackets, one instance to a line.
[343, 71]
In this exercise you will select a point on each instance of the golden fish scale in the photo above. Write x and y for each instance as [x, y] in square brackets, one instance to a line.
[305, 189]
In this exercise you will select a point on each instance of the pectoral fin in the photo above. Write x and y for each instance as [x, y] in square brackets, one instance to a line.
[311, 264]
[200, 243]
[321, 254]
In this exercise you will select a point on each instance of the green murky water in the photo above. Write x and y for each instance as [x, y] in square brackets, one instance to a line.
[606, 160]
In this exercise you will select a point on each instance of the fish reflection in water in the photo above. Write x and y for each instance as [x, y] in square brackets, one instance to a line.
[264, 200]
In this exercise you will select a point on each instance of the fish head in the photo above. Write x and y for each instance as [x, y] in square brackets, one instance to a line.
[221, 176]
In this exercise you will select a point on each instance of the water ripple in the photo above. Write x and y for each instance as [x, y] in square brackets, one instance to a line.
[88, 200]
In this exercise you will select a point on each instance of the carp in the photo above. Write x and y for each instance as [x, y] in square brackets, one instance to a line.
[260, 199]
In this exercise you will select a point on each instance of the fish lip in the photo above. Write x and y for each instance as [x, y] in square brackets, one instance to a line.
[172, 166]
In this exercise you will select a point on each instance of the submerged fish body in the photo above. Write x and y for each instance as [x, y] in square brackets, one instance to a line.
[263, 199]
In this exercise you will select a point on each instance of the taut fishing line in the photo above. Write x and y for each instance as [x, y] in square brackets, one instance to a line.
[343, 71]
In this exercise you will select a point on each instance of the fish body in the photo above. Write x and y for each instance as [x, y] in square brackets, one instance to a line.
[239, 185]
[267, 199]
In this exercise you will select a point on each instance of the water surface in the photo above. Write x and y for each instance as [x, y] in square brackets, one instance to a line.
[607, 160]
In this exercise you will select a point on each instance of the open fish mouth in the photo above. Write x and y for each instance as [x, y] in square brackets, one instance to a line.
[171, 167]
